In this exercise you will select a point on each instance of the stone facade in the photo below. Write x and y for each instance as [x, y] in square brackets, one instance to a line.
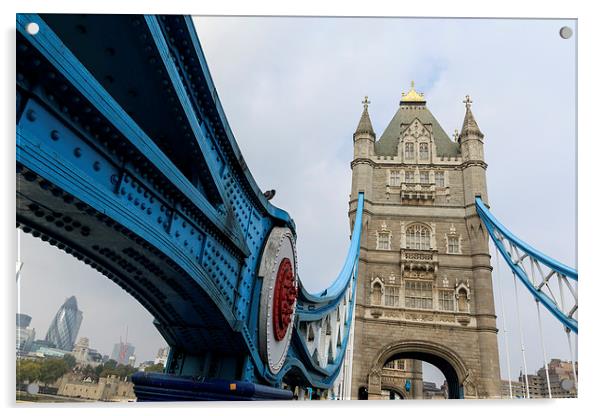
[402, 379]
[108, 389]
[424, 289]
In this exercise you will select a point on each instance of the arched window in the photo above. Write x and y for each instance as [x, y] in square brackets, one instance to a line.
[418, 237]
[424, 151]
[462, 300]
[409, 150]
[377, 293]
[394, 178]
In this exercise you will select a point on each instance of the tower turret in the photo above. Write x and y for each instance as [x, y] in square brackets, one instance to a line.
[473, 172]
[474, 166]
[364, 136]
[363, 149]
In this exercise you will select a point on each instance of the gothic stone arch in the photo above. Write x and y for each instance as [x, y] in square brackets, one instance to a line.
[395, 389]
[460, 378]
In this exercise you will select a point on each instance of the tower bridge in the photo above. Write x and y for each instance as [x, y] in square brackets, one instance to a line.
[125, 160]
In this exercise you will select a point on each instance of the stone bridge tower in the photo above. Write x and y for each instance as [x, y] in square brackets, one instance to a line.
[424, 289]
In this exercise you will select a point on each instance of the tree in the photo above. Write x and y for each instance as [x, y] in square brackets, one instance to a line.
[125, 371]
[98, 370]
[70, 361]
[52, 369]
[110, 364]
[155, 368]
[89, 371]
[105, 372]
[28, 371]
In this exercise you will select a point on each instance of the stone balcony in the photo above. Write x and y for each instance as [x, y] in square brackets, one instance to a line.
[419, 261]
[418, 192]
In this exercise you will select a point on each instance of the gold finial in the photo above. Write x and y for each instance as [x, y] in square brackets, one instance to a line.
[412, 96]
[467, 101]
[366, 102]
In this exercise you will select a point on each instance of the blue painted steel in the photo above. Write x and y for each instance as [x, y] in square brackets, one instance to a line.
[158, 198]
[160, 387]
[315, 307]
[29, 152]
[548, 261]
[491, 223]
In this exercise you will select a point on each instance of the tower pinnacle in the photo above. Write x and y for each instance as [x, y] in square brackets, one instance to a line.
[470, 125]
[365, 124]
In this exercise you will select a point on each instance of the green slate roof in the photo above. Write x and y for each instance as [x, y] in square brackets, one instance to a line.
[387, 144]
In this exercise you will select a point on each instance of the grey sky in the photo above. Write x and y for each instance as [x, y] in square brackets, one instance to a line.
[292, 91]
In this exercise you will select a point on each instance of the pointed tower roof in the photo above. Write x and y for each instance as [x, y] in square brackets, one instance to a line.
[365, 125]
[413, 106]
[470, 125]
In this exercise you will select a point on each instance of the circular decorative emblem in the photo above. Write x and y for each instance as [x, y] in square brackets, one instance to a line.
[278, 269]
[285, 295]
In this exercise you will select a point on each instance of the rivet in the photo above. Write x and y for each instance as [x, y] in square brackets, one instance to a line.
[55, 135]
[96, 166]
[31, 115]
[77, 152]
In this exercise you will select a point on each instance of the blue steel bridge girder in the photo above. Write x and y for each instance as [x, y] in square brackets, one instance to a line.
[125, 160]
[550, 282]
[77, 137]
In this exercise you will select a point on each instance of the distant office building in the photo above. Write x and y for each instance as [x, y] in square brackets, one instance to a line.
[518, 389]
[562, 382]
[25, 335]
[65, 325]
[162, 356]
[143, 365]
[42, 348]
[42, 343]
[431, 391]
[122, 351]
[84, 355]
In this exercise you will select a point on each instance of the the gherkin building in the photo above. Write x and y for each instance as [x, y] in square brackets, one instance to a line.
[65, 325]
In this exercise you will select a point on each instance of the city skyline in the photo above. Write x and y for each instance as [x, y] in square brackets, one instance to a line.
[42, 321]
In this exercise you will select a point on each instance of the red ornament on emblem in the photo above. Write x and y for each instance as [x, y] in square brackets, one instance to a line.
[285, 294]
